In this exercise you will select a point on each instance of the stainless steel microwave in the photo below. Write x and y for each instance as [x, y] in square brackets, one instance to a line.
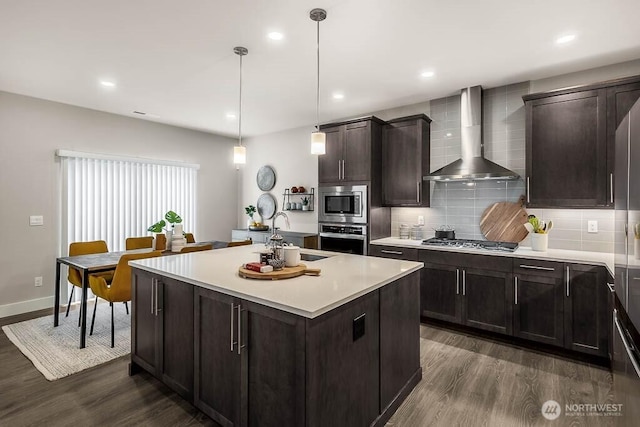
[343, 203]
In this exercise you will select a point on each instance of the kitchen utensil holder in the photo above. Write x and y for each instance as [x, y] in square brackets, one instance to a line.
[539, 242]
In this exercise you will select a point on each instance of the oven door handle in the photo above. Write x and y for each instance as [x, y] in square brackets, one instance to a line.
[344, 236]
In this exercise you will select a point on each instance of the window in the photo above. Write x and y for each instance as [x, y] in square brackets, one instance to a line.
[111, 198]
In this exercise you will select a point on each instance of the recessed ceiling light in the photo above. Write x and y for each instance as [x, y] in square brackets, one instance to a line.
[231, 116]
[448, 134]
[275, 35]
[427, 74]
[565, 39]
[338, 95]
[107, 83]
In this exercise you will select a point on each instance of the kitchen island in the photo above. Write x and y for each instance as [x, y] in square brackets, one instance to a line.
[338, 349]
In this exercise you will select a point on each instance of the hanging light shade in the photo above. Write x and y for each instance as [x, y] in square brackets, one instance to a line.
[240, 151]
[318, 139]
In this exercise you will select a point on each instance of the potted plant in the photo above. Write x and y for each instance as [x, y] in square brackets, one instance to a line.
[161, 239]
[250, 210]
[305, 203]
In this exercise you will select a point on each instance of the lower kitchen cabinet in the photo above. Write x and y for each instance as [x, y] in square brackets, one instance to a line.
[561, 304]
[472, 290]
[162, 330]
[439, 292]
[538, 309]
[587, 310]
[245, 364]
[240, 351]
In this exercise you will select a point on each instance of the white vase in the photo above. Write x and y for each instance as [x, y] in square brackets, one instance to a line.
[249, 222]
[539, 241]
[169, 235]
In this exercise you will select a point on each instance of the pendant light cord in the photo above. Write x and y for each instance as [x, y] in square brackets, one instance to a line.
[318, 80]
[240, 107]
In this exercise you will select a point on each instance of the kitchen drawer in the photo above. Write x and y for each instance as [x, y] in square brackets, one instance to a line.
[395, 252]
[538, 267]
[462, 260]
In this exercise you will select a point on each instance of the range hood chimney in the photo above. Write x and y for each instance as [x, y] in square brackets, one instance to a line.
[472, 165]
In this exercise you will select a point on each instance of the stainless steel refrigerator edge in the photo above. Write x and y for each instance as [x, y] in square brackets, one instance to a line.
[626, 316]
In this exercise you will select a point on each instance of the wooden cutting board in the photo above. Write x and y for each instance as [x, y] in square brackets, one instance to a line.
[285, 273]
[504, 222]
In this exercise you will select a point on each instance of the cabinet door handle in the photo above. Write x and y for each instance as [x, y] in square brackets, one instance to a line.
[231, 322]
[464, 282]
[611, 187]
[385, 251]
[339, 169]
[567, 280]
[240, 345]
[536, 267]
[528, 191]
[153, 284]
[457, 281]
[515, 280]
[343, 169]
[418, 191]
[611, 287]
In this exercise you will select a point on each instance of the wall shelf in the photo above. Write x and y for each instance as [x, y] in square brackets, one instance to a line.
[295, 199]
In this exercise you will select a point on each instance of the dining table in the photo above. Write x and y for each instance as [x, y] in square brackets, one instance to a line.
[97, 263]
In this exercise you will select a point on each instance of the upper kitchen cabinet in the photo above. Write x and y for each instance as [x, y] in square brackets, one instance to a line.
[352, 151]
[570, 142]
[405, 160]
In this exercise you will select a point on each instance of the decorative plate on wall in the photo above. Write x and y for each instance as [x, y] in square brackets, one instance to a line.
[266, 206]
[266, 178]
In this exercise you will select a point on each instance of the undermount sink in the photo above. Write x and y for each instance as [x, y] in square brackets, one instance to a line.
[311, 257]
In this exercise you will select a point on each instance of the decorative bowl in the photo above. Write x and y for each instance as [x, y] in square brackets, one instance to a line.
[277, 264]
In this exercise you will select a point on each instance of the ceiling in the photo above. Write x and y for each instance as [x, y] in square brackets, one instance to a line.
[175, 60]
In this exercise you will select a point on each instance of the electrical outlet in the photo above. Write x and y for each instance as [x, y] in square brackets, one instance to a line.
[592, 226]
[421, 219]
[38, 281]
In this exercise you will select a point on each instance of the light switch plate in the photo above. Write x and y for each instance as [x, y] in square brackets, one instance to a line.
[420, 219]
[592, 226]
[36, 220]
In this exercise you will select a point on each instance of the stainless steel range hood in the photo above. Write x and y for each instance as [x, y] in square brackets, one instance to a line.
[472, 165]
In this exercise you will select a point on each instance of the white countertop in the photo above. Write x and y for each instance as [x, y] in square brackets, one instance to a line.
[343, 277]
[581, 257]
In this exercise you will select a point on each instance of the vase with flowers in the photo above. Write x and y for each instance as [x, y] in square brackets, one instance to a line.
[163, 241]
[250, 210]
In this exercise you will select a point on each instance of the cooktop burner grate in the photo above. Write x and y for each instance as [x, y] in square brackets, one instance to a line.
[471, 244]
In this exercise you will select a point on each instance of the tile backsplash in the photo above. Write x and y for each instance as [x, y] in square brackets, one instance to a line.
[461, 204]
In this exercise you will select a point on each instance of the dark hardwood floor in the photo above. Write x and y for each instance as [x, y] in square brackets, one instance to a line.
[467, 381]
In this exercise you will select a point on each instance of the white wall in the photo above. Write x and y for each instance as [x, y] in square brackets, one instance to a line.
[32, 129]
[288, 153]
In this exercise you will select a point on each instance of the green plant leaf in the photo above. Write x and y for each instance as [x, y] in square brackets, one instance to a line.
[157, 227]
[173, 217]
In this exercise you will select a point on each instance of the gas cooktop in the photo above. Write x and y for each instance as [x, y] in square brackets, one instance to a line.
[472, 244]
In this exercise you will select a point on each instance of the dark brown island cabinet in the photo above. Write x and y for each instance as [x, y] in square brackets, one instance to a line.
[566, 305]
[405, 160]
[246, 364]
[570, 138]
[352, 152]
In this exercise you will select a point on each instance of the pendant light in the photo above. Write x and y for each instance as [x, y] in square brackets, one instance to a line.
[318, 139]
[240, 151]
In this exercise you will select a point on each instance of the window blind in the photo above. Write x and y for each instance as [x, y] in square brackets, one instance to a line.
[111, 198]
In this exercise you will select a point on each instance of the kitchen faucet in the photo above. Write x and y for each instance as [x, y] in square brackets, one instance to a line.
[273, 221]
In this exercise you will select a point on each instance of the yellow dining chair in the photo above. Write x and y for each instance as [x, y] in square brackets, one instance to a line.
[75, 277]
[138, 242]
[119, 288]
[187, 249]
[241, 243]
[189, 237]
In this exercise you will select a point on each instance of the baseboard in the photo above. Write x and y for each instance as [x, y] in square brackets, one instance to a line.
[26, 306]
[397, 401]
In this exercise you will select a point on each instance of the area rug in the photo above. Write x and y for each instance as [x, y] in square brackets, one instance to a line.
[55, 351]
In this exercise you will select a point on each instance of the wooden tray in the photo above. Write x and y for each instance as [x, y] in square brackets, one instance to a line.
[504, 222]
[285, 273]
